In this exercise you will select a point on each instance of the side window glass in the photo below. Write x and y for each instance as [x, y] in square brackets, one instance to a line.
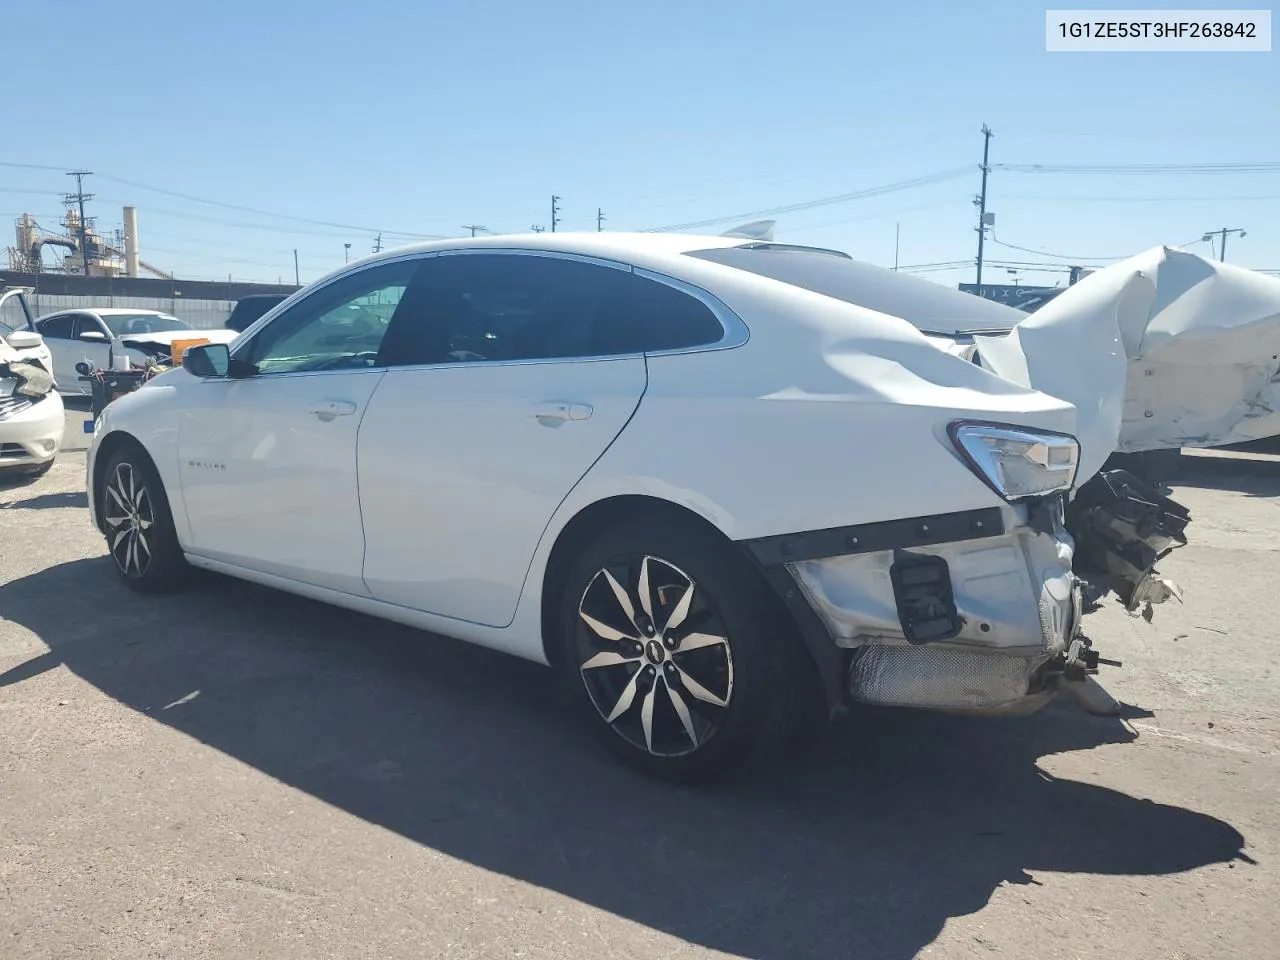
[57, 328]
[497, 307]
[84, 324]
[646, 316]
[340, 326]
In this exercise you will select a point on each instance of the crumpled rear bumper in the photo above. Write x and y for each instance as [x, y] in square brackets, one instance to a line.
[966, 612]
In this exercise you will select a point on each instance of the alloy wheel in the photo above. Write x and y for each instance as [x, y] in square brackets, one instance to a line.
[654, 655]
[129, 516]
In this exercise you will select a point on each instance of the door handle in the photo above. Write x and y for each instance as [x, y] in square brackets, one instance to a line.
[558, 411]
[328, 409]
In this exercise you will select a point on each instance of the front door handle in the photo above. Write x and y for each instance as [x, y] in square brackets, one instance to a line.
[557, 411]
[328, 409]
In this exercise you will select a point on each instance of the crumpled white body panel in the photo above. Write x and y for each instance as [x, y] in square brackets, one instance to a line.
[1163, 350]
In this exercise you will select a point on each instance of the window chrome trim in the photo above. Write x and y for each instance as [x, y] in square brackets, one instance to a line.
[530, 252]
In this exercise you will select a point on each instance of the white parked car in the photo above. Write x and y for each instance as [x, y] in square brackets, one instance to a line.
[710, 499]
[31, 413]
[94, 335]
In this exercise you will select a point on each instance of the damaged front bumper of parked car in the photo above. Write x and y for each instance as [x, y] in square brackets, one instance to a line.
[31, 417]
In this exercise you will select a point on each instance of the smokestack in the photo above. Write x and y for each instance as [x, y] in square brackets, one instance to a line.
[130, 241]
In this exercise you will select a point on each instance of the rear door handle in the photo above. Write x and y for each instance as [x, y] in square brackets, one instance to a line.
[557, 411]
[328, 409]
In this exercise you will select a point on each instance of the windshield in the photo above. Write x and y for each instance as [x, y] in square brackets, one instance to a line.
[928, 306]
[125, 324]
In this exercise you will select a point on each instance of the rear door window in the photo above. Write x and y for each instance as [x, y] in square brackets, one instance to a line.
[57, 327]
[485, 307]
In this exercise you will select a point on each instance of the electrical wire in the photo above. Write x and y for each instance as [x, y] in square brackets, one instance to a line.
[1143, 169]
[33, 166]
[270, 228]
[1046, 253]
[927, 180]
[262, 213]
[877, 216]
[1125, 199]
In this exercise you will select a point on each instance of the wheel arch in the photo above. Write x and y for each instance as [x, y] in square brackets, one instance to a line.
[609, 511]
[107, 447]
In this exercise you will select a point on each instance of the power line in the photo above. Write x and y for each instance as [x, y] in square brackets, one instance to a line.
[893, 214]
[1139, 168]
[269, 227]
[1132, 199]
[939, 177]
[254, 210]
[35, 166]
[1046, 253]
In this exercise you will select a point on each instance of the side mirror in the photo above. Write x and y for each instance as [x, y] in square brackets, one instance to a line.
[93, 336]
[24, 339]
[84, 369]
[207, 360]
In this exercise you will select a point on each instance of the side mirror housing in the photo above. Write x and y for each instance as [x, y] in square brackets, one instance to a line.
[24, 340]
[207, 360]
[93, 336]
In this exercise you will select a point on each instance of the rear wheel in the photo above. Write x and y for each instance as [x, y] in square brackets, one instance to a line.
[138, 524]
[675, 655]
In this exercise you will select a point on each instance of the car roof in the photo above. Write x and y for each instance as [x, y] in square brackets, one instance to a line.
[106, 312]
[622, 245]
[125, 311]
[922, 303]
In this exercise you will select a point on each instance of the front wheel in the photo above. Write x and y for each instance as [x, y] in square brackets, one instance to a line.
[675, 655]
[138, 524]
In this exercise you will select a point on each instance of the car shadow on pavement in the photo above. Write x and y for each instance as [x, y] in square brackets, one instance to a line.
[45, 501]
[1254, 477]
[896, 822]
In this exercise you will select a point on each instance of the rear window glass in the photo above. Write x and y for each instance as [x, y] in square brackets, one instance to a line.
[928, 306]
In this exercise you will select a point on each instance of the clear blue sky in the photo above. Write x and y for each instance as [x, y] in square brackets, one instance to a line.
[421, 117]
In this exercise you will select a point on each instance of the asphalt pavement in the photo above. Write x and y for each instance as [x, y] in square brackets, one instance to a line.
[232, 772]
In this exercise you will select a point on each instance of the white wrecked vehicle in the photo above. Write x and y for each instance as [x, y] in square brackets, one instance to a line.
[714, 482]
[97, 335]
[31, 413]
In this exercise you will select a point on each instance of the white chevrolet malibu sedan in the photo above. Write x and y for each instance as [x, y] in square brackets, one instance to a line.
[712, 500]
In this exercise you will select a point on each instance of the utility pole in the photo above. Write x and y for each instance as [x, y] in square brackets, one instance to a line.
[982, 197]
[296, 275]
[897, 227]
[555, 212]
[346, 253]
[600, 219]
[80, 197]
[377, 243]
[1222, 250]
[475, 228]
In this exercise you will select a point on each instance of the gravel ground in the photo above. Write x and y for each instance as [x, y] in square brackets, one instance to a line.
[237, 773]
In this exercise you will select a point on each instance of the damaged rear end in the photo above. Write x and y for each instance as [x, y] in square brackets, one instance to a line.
[981, 611]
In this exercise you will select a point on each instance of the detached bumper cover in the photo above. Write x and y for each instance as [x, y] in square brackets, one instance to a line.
[959, 611]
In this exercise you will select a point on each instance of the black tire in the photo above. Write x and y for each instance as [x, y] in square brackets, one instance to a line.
[141, 541]
[760, 671]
